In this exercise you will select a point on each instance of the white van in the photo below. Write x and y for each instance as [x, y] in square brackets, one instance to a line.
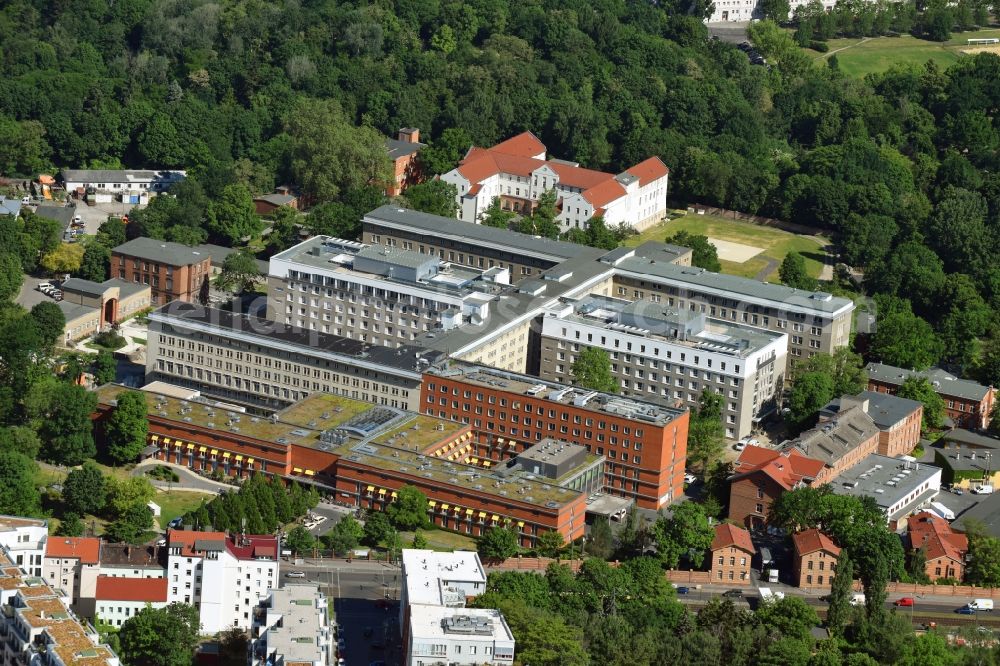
[981, 604]
[983, 490]
[858, 600]
[767, 594]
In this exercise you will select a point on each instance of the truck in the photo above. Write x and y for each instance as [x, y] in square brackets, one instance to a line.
[767, 594]
[942, 510]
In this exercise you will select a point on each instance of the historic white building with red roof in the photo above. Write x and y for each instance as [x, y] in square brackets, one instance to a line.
[517, 172]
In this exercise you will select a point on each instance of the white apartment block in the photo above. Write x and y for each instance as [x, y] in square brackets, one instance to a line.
[380, 295]
[224, 577]
[669, 355]
[24, 541]
[517, 172]
[459, 636]
[747, 10]
[292, 627]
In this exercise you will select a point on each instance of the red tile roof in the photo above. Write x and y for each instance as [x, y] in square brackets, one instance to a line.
[935, 534]
[112, 588]
[572, 176]
[605, 193]
[85, 549]
[253, 546]
[787, 468]
[811, 541]
[524, 144]
[727, 535]
[185, 539]
[649, 170]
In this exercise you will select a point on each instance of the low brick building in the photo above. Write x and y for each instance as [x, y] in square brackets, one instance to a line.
[966, 403]
[898, 419]
[403, 153]
[814, 559]
[173, 271]
[91, 307]
[945, 549]
[732, 552]
[762, 475]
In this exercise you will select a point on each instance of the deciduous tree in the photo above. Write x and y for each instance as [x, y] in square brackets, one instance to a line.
[85, 490]
[160, 636]
[592, 369]
[434, 196]
[409, 510]
[918, 388]
[703, 253]
[299, 540]
[793, 272]
[706, 432]
[239, 272]
[126, 427]
[67, 432]
[105, 367]
[498, 543]
[50, 321]
[18, 494]
[66, 258]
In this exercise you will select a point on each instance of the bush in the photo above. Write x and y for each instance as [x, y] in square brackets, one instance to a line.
[821, 47]
[109, 340]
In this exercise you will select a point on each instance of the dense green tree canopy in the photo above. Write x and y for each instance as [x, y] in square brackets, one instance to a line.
[592, 369]
[125, 427]
[160, 636]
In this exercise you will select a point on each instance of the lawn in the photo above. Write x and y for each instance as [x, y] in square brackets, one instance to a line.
[441, 540]
[775, 243]
[176, 503]
[859, 57]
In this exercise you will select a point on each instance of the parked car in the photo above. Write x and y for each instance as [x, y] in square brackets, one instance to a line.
[957, 491]
[42, 286]
[176, 522]
[295, 574]
[904, 601]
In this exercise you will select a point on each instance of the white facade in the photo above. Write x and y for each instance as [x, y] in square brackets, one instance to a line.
[744, 365]
[118, 181]
[462, 637]
[24, 540]
[116, 612]
[293, 627]
[222, 577]
[746, 10]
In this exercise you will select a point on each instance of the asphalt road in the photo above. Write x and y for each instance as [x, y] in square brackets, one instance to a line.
[360, 606]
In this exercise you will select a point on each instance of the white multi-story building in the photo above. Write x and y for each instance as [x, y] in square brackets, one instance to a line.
[435, 624]
[382, 295]
[670, 355]
[747, 10]
[459, 636]
[24, 540]
[72, 565]
[517, 172]
[292, 626]
[225, 577]
[119, 599]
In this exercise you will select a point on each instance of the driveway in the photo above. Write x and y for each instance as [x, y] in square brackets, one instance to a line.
[189, 480]
[29, 296]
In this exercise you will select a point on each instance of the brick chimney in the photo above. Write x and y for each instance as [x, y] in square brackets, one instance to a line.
[409, 135]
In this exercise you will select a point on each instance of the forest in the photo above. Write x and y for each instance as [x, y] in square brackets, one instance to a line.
[900, 168]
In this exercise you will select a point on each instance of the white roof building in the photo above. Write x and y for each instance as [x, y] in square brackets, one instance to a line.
[293, 627]
[24, 540]
[467, 636]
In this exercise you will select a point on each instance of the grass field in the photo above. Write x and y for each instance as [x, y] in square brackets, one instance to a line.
[176, 503]
[775, 243]
[858, 57]
[441, 540]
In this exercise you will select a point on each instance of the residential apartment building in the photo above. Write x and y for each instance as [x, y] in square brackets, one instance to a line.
[119, 599]
[840, 443]
[731, 555]
[72, 564]
[644, 444]
[403, 151]
[815, 322]
[761, 475]
[669, 355]
[749, 10]
[517, 173]
[472, 245]
[946, 552]
[224, 576]
[434, 622]
[292, 627]
[269, 365]
[898, 419]
[814, 559]
[173, 271]
[967, 404]
[377, 294]
[38, 626]
[363, 454]
[24, 540]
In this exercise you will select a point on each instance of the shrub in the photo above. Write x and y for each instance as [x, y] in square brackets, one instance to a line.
[821, 47]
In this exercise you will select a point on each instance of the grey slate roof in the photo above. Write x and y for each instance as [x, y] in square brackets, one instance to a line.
[10, 206]
[830, 441]
[397, 256]
[81, 286]
[61, 214]
[73, 310]
[943, 382]
[165, 252]
[986, 512]
[478, 234]
[399, 148]
[885, 409]
[276, 199]
[120, 175]
[969, 439]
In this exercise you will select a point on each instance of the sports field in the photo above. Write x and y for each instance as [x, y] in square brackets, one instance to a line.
[745, 249]
[858, 57]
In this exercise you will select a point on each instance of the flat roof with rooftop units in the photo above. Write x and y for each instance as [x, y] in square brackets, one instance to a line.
[899, 487]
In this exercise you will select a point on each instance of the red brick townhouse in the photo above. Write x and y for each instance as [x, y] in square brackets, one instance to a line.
[967, 403]
[946, 550]
[732, 553]
[761, 476]
[815, 559]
